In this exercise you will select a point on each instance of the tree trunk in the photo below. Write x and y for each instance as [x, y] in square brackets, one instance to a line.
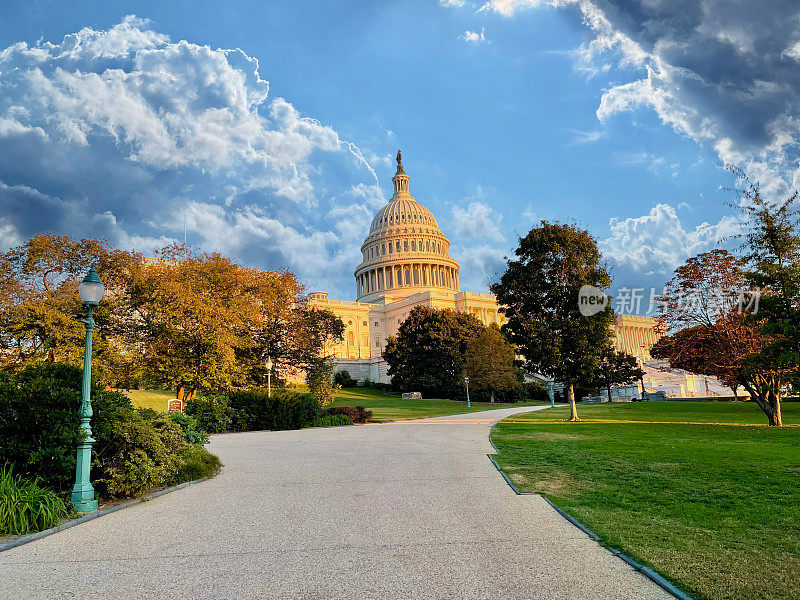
[642, 389]
[735, 389]
[608, 387]
[492, 400]
[774, 415]
[769, 403]
[573, 410]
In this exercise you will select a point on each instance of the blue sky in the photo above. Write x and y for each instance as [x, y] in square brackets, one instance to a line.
[617, 115]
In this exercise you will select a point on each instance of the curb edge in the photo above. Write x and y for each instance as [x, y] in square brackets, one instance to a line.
[32, 537]
[646, 571]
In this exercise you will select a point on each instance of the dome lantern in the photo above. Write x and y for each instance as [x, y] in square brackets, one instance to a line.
[400, 179]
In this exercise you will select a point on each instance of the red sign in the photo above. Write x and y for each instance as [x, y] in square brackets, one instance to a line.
[175, 406]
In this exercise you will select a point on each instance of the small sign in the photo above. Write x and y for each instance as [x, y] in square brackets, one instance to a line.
[175, 406]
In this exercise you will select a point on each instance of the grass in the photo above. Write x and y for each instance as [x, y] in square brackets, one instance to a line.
[389, 406]
[25, 507]
[155, 399]
[385, 406]
[679, 486]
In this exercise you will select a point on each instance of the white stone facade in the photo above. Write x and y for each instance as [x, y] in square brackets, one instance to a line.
[406, 263]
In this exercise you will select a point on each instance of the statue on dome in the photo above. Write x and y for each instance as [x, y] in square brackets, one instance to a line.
[399, 163]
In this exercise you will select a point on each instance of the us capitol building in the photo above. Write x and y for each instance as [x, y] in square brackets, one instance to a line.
[406, 263]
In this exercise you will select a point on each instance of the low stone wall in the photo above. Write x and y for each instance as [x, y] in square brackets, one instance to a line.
[374, 369]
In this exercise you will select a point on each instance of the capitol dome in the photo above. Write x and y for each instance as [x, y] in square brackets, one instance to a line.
[405, 252]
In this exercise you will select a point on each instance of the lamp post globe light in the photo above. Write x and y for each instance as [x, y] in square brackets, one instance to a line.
[91, 292]
[269, 377]
[466, 382]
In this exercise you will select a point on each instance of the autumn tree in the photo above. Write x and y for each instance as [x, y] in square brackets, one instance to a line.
[40, 310]
[489, 363]
[539, 295]
[713, 332]
[200, 321]
[428, 354]
[616, 368]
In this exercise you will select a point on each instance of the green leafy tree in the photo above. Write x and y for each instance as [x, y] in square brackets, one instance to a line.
[490, 363]
[773, 266]
[428, 354]
[616, 368]
[319, 377]
[539, 295]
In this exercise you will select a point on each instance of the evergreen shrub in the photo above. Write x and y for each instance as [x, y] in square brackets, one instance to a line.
[332, 420]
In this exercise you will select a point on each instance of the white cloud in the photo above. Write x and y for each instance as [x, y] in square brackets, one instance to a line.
[657, 243]
[479, 266]
[477, 221]
[452, 3]
[725, 78]
[657, 165]
[120, 132]
[584, 137]
[508, 8]
[8, 235]
[473, 37]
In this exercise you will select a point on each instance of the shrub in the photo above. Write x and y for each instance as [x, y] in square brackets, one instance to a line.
[39, 423]
[197, 463]
[25, 507]
[344, 379]
[332, 421]
[213, 413]
[145, 451]
[255, 410]
[192, 433]
[357, 414]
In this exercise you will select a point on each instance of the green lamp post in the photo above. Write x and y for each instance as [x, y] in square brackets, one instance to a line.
[466, 383]
[269, 377]
[91, 291]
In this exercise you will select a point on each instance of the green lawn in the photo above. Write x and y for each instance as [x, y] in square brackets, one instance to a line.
[389, 406]
[155, 399]
[385, 406]
[712, 507]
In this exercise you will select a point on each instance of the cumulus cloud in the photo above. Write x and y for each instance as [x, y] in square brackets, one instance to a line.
[480, 266]
[646, 250]
[473, 37]
[122, 133]
[477, 221]
[725, 75]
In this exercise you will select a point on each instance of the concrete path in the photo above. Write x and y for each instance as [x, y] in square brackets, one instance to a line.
[406, 510]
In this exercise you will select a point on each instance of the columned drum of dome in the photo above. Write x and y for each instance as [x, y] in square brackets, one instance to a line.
[405, 252]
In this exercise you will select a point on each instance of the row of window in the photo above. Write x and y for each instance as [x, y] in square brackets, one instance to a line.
[407, 246]
[405, 218]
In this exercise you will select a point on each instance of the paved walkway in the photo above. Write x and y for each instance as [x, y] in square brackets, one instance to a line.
[406, 510]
